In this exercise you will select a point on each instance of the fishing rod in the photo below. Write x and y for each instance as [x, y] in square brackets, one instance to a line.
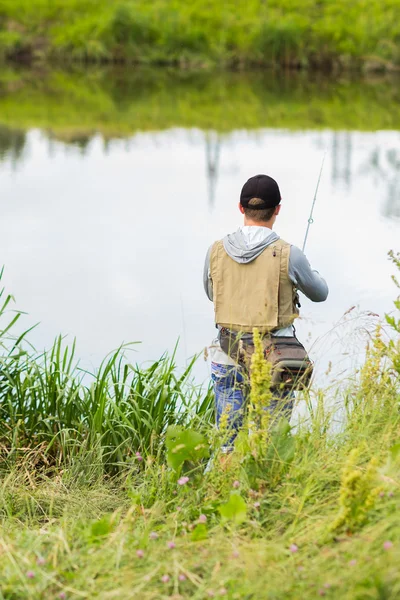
[310, 219]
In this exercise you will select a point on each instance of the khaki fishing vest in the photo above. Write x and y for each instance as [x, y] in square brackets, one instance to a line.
[256, 294]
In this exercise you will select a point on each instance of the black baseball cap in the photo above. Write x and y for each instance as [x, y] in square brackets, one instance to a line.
[263, 187]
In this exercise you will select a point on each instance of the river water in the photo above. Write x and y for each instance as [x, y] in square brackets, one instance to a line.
[103, 236]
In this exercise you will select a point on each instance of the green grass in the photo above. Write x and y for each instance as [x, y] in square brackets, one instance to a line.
[73, 106]
[305, 33]
[96, 420]
[304, 513]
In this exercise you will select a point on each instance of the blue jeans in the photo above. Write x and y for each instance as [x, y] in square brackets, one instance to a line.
[230, 390]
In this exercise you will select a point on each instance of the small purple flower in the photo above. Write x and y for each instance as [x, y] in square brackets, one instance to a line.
[353, 562]
[235, 554]
[62, 595]
[293, 548]
[178, 508]
[321, 592]
[183, 480]
[211, 593]
[30, 574]
[390, 494]
[153, 535]
[223, 591]
[327, 586]
[202, 519]
[40, 561]
[139, 456]
[381, 494]
[256, 505]
[171, 545]
[165, 578]
[182, 577]
[388, 545]
[236, 484]
[139, 553]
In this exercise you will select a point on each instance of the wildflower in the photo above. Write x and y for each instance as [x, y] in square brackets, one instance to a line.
[327, 586]
[40, 561]
[62, 595]
[211, 593]
[390, 494]
[235, 554]
[321, 592]
[183, 480]
[165, 578]
[153, 535]
[139, 456]
[171, 545]
[202, 519]
[353, 562]
[293, 548]
[381, 494]
[387, 545]
[178, 508]
[30, 574]
[236, 484]
[182, 577]
[223, 591]
[256, 505]
[139, 553]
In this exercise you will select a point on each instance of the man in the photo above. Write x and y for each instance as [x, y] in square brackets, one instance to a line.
[252, 276]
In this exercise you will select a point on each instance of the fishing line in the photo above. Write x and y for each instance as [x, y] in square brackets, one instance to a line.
[310, 219]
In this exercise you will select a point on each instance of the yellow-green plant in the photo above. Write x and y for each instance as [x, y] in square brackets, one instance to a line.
[260, 391]
[358, 493]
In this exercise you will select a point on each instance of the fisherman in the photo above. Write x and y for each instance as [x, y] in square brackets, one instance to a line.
[252, 277]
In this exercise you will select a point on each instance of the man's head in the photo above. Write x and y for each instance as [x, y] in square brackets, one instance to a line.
[260, 200]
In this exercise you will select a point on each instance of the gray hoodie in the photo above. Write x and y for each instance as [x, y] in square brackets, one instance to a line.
[239, 247]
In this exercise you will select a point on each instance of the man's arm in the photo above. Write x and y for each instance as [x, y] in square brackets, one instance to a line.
[207, 281]
[305, 278]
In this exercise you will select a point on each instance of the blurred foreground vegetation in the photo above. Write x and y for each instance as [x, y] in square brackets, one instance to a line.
[74, 106]
[103, 492]
[293, 33]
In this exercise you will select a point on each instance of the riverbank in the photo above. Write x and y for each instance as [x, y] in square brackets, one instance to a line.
[103, 495]
[295, 34]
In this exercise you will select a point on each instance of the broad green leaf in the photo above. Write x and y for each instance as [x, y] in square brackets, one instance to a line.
[199, 532]
[102, 527]
[395, 451]
[185, 445]
[234, 510]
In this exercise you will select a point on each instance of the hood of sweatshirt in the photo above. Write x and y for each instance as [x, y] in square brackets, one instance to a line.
[244, 248]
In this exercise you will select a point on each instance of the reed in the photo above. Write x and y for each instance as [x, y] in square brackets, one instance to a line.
[48, 403]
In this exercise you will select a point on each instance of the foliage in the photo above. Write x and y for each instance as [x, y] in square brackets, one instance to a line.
[184, 445]
[106, 418]
[358, 493]
[144, 533]
[234, 510]
[291, 33]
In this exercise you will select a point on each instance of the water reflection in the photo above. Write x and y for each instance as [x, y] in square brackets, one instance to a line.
[384, 165]
[12, 144]
[120, 190]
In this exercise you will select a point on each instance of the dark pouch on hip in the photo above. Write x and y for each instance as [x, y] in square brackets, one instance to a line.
[291, 366]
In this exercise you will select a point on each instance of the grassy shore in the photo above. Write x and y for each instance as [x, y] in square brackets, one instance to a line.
[292, 33]
[103, 493]
[74, 106]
